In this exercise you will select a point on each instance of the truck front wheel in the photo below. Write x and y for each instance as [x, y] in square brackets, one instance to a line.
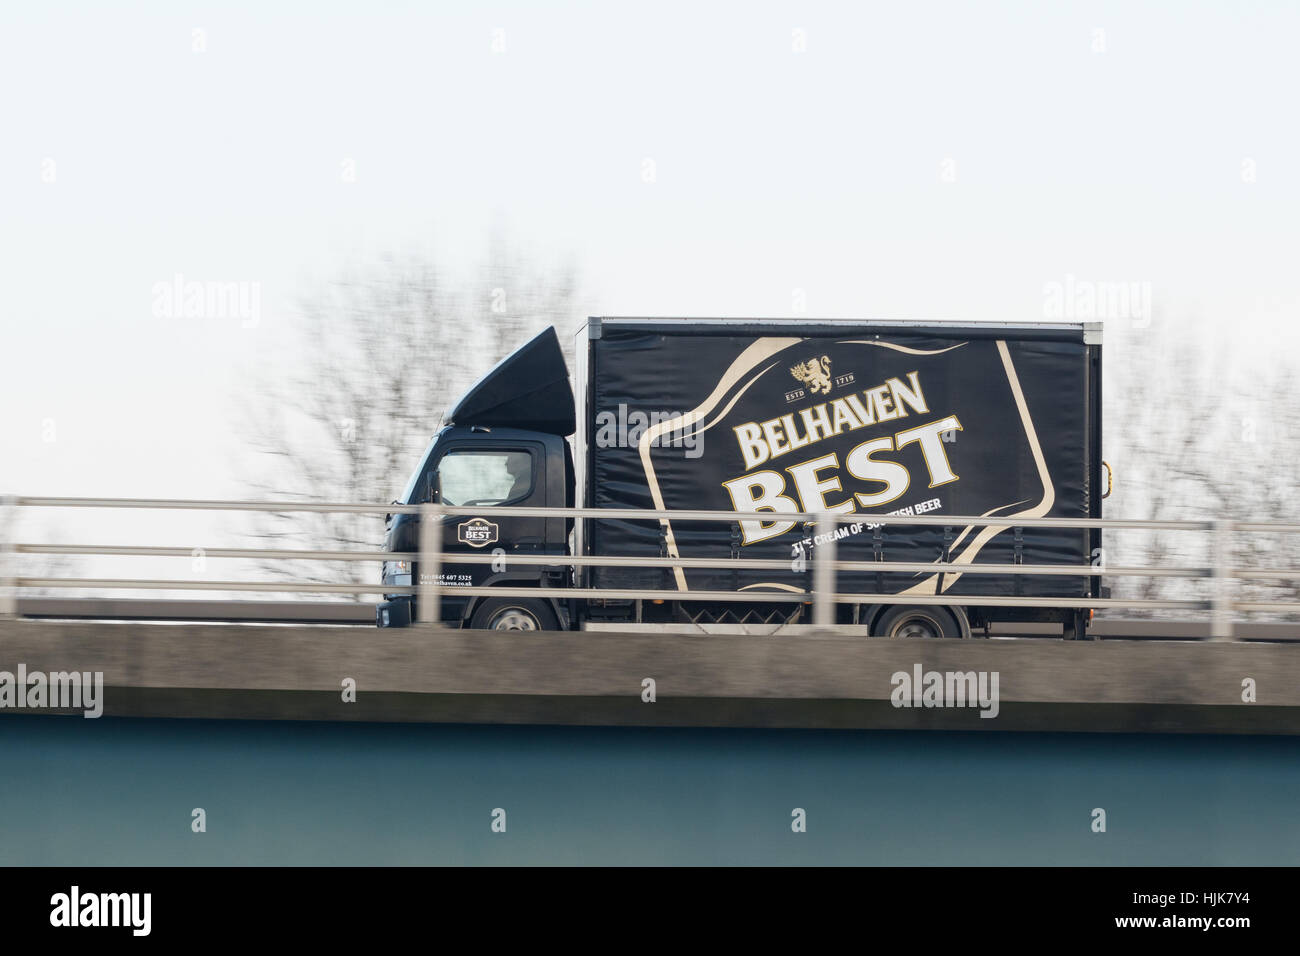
[913, 621]
[514, 614]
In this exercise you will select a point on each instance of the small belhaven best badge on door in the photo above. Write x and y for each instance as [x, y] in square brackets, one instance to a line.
[476, 532]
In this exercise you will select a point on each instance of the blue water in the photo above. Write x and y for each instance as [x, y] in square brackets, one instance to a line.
[121, 791]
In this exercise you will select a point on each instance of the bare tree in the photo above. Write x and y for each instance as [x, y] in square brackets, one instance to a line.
[1255, 471]
[1195, 432]
[380, 354]
[1153, 429]
[15, 530]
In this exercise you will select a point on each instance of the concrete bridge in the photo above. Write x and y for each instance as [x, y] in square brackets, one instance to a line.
[813, 680]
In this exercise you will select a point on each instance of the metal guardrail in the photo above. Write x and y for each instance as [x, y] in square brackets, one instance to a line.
[362, 614]
[825, 566]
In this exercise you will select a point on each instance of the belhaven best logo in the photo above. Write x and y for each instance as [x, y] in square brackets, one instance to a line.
[476, 532]
[815, 373]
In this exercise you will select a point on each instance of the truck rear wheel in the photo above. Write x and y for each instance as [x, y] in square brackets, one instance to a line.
[514, 614]
[916, 621]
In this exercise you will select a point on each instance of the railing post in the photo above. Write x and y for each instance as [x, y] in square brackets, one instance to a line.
[1221, 608]
[8, 557]
[824, 571]
[429, 598]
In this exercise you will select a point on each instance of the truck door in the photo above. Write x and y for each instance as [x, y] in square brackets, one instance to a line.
[484, 473]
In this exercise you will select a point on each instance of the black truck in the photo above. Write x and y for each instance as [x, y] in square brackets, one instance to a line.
[853, 417]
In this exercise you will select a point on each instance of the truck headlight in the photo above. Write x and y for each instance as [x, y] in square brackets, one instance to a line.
[397, 573]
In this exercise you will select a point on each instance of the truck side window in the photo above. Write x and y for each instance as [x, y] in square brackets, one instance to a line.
[479, 477]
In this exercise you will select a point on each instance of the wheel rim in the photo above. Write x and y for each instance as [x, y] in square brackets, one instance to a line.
[513, 619]
[917, 626]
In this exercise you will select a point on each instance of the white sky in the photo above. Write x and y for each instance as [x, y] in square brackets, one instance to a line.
[775, 171]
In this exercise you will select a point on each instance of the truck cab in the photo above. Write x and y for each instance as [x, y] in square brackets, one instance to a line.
[473, 462]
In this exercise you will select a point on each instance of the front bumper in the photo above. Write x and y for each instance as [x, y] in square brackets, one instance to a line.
[394, 613]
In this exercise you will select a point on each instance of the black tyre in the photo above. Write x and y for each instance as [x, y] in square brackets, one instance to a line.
[916, 621]
[514, 614]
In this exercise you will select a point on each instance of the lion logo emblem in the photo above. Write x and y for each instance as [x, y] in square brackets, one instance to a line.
[815, 373]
